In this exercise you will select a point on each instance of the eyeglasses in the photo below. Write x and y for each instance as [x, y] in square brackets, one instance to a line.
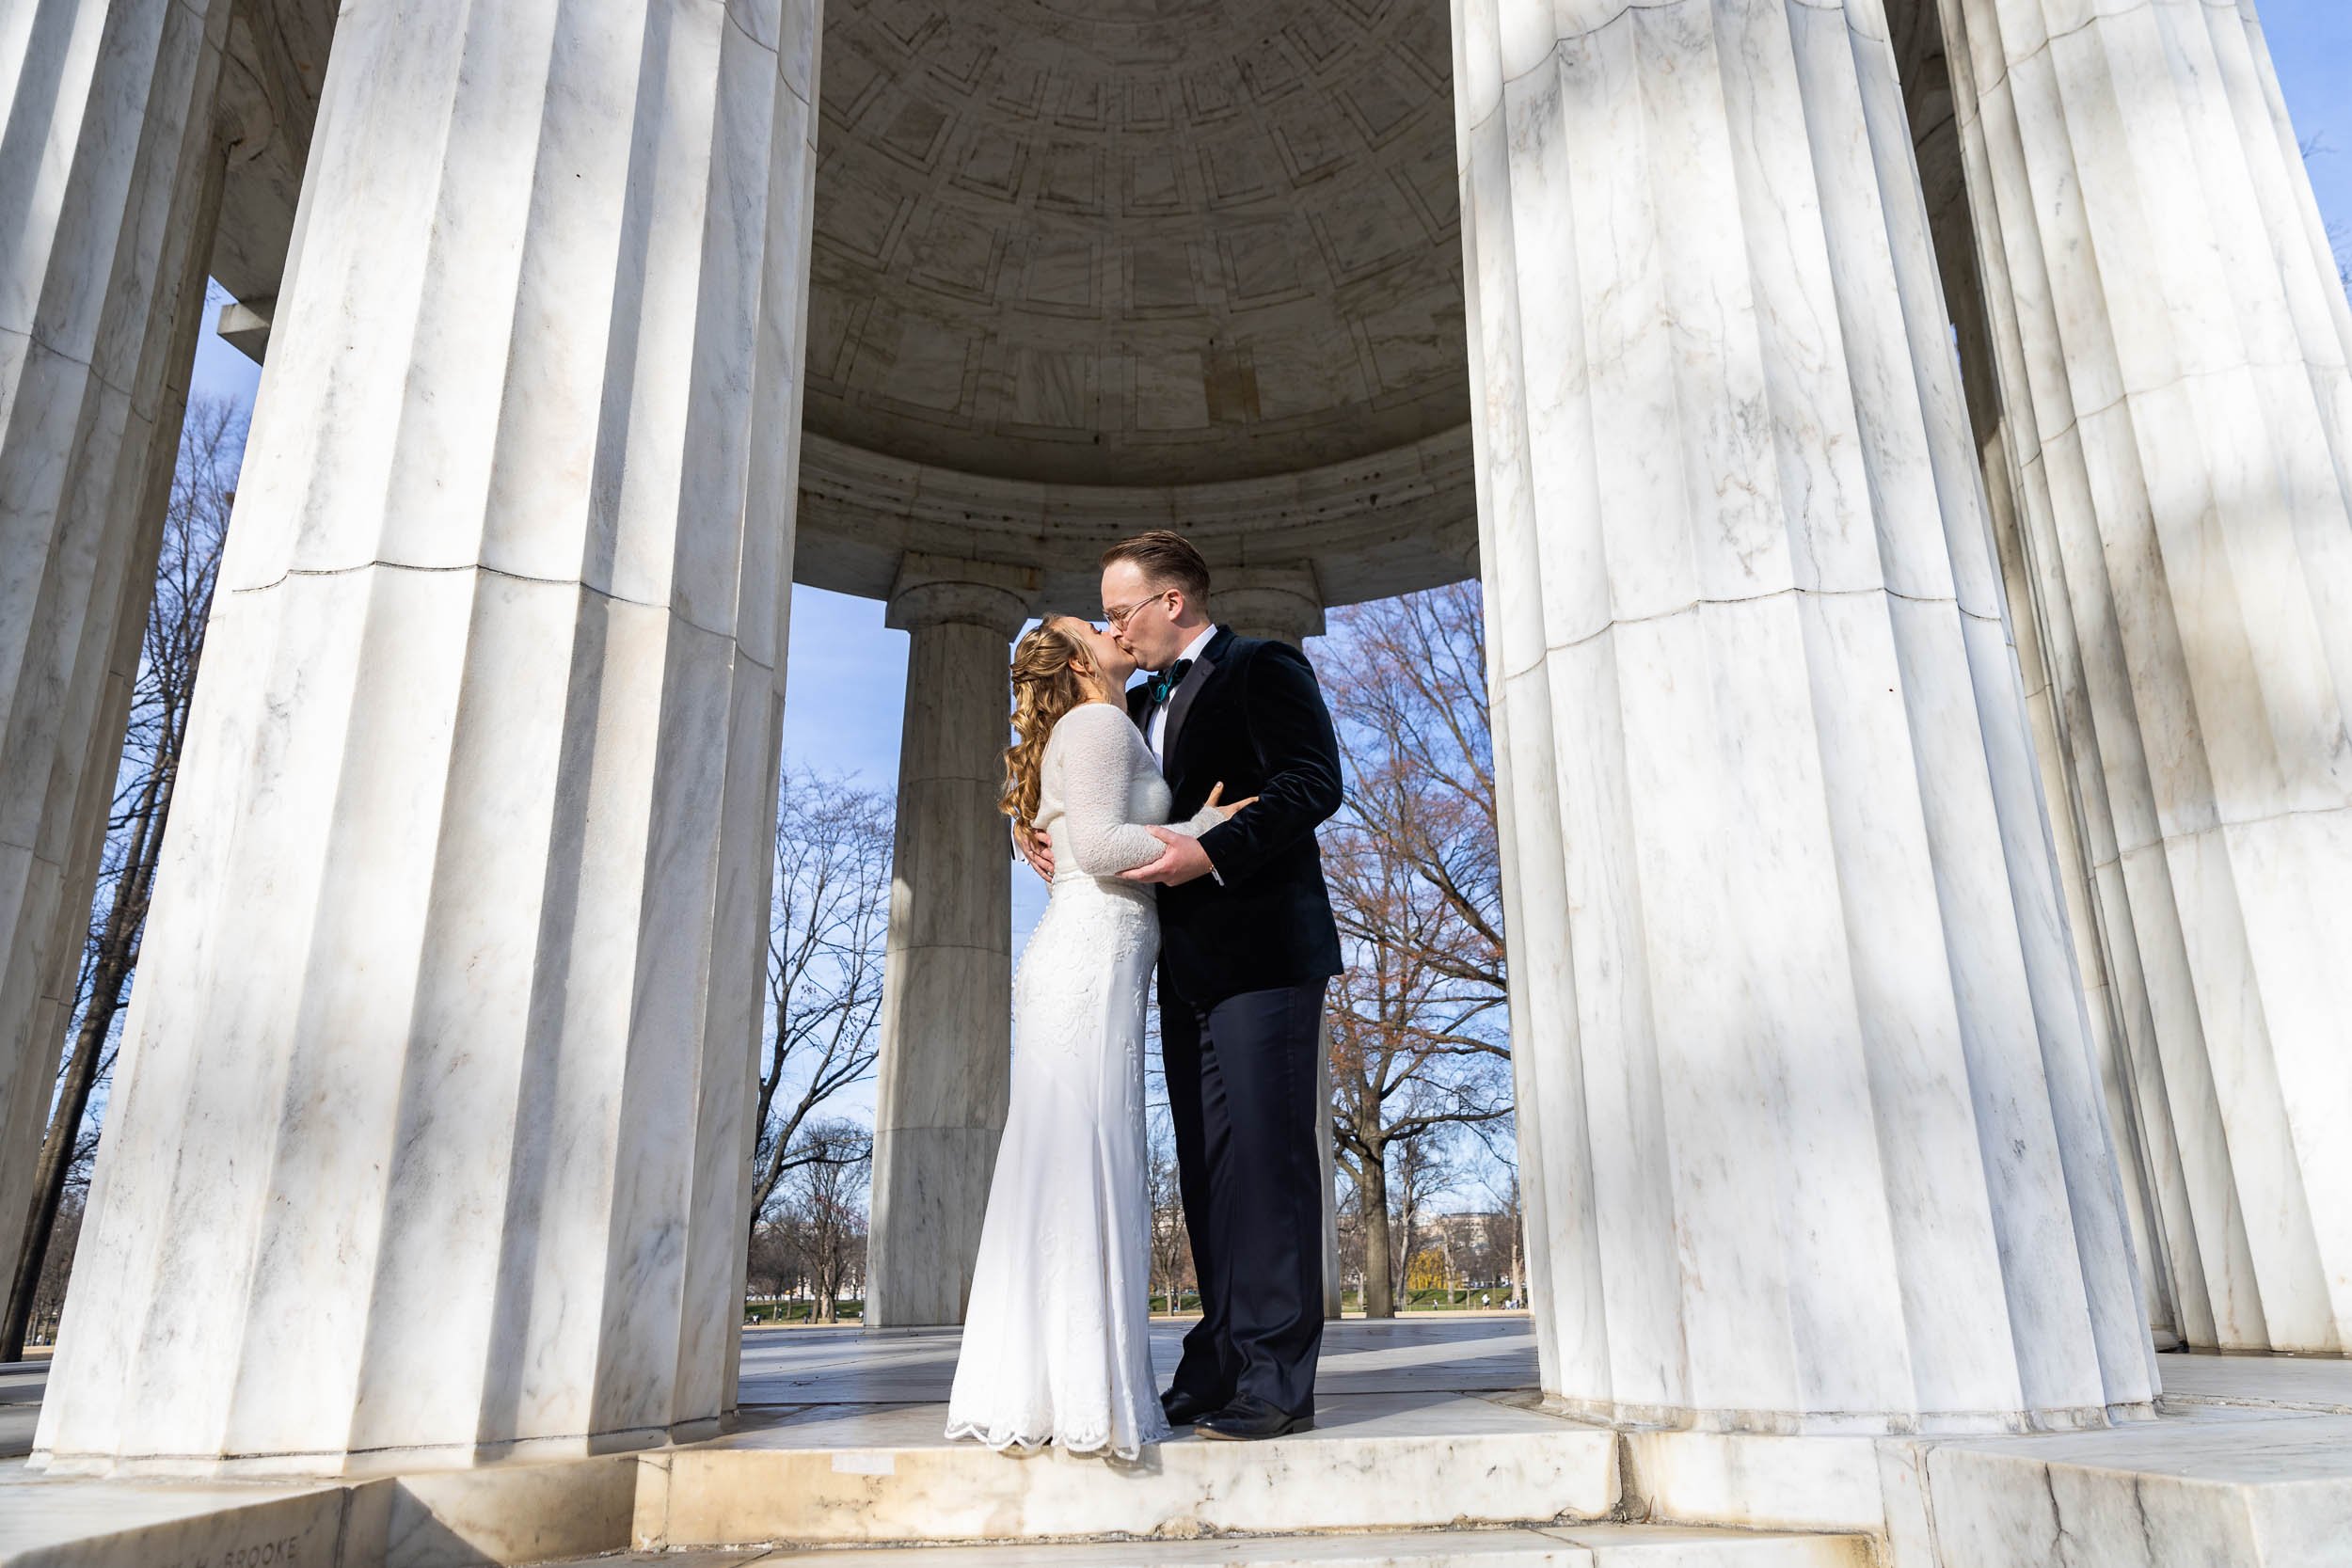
[1114, 619]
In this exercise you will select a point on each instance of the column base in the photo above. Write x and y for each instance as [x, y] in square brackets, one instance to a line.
[366, 1464]
[1847, 1423]
[2250, 1462]
[930, 1193]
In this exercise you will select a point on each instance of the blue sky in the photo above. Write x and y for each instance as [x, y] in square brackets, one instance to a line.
[847, 676]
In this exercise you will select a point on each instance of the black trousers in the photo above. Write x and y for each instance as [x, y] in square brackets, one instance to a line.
[1240, 1094]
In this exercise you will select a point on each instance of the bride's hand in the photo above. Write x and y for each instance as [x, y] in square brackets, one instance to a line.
[1216, 793]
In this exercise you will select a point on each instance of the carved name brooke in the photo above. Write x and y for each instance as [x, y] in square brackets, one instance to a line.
[281, 1553]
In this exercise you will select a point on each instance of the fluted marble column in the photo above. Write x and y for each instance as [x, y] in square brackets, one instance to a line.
[1810, 1129]
[109, 188]
[2171, 344]
[428, 1140]
[1286, 604]
[946, 1018]
[2140, 1122]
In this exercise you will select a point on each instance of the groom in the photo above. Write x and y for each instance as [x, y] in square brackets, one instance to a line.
[1247, 946]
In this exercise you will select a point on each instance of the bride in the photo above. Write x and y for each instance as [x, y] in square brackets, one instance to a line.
[1055, 1341]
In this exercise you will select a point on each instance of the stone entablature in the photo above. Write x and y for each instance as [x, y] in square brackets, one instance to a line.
[1391, 523]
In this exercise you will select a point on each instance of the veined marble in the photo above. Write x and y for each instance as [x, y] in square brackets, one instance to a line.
[429, 1136]
[946, 1018]
[2171, 344]
[110, 180]
[850, 1477]
[1810, 1123]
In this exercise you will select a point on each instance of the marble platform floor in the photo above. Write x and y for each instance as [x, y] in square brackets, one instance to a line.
[849, 1373]
[848, 1424]
[796, 1369]
[1570, 1546]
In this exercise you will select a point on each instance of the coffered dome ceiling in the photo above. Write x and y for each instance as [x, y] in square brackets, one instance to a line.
[1135, 242]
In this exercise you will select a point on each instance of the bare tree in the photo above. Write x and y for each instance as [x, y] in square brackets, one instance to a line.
[830, 917]
[1420, 1045]
[773, 1266]
[1424, 1171]
[196, 520]
[825, 1199]
[1171, 1245]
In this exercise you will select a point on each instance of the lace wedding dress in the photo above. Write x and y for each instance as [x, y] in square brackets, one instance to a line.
[1055, 1342]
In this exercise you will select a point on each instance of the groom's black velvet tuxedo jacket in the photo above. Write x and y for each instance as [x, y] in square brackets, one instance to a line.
[1250, 715]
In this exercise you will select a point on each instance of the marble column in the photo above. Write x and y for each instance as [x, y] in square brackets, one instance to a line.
[1810, 1127]
[2171, 343]
[1327, 1162]
[946, 1018]
[2141, 1122]
[109, 190]
[428, 1140]
[1286, 604]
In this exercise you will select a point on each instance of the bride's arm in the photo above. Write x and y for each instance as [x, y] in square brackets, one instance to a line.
[1203, 820]
[1096, 760]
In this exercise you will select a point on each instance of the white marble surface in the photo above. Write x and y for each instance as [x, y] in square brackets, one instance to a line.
[99, 1524]
[1373, 1461]
[1393, 522]
[496, 1514]
[1576, 1547]
[845, 1368]
[109, 187]
[1757, 1480]
[946, 1030]
[2272, 1491]
[2254, 1462]
[1810, 1122]
[2171, 343]
[428, 1135]
[2275, 1382]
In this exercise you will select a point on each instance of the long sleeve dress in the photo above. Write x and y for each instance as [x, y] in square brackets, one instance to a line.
[1055, 1347]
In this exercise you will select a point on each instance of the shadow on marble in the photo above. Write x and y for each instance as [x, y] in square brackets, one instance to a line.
[509, 1512]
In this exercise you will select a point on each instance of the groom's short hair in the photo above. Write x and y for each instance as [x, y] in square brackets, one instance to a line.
[1165, 556]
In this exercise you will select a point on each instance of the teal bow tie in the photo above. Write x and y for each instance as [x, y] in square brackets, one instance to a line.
[1164, 684]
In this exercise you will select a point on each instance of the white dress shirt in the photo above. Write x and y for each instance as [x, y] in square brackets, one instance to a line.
[1156, 724]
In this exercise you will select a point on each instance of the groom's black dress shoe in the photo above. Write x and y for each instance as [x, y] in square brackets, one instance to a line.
[1250, 1419]
[1182, 1409]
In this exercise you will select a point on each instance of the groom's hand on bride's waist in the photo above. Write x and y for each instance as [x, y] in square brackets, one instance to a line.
[1182, 860]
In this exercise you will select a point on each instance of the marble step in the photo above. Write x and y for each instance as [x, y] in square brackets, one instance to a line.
[1584, 1546]
[820, 1478]
[1573, 1546]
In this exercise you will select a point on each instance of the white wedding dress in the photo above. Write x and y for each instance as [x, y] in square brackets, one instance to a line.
[1055, 1347]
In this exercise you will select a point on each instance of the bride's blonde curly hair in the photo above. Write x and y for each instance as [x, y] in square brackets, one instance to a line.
[1045, 687]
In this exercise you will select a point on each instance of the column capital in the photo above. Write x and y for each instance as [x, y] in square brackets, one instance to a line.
[1284, 602]
[932, 589]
